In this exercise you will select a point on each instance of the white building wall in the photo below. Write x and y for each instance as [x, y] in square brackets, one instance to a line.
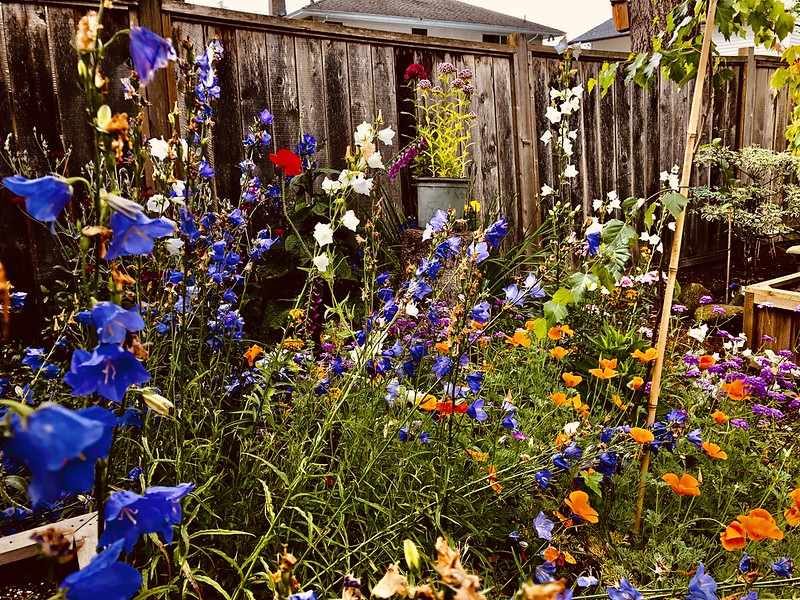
[457, 33]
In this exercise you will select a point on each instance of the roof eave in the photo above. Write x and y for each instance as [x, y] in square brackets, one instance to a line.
[341, 16]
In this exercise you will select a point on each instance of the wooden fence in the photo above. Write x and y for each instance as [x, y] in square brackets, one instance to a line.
[330, 78]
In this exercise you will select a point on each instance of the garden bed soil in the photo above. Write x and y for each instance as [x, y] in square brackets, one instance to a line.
[713, 274]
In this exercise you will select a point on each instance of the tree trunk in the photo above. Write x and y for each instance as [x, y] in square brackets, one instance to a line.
[648, 18]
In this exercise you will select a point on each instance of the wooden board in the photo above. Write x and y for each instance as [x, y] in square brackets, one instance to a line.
[82, 530]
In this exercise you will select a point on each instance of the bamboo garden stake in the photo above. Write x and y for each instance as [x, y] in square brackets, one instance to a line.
[686, 172]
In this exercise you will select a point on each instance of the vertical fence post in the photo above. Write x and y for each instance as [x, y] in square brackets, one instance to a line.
[528, 216]
[150, 16]
[748, 98]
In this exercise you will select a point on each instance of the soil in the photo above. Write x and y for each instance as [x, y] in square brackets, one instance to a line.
[32, 578]
[713, 275]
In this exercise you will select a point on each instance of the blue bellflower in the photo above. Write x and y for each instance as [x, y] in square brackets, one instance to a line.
[109, 370]
[625, 591]
[496, 232]
[150, 52]
[45, 197]
[59, 447]
[129, 515]
[104, 577]
[476, 411]
[136, 236]
[543, 527]
[113, 322]
[783, 567]
[702, 586]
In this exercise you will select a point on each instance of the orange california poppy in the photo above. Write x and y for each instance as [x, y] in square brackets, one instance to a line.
[530, 325]
[604, 373]
[736, 389]
[428, 403]
[252, 353]
[578, 501]
[493, 480]
[636, 383]
[559, 352]
[443, 346]
[720, 417]
[706, 360]
[608, 363]
[565, 329]
[618, 401]
[561, 439]
[554, 556]
[480, 456]
[520, 338]
[734, 537]
[554, 333]
[642, 436]
[685, 486]
[560, 398]
[477, 325]
[571, 380]
[645, 356]
[714, 451]
[759, 524]
[792, 515]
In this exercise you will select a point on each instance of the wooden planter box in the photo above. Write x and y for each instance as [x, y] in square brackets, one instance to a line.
[82, 530]
[772, 308]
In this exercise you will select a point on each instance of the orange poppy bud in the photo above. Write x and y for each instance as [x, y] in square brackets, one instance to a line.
[685, 486]
[578, 501]
[720, 417]
[714, 451]
[734, 537]
[706, 360]
[571, 380]
[636, 383]
[493, 480]
[642, 436]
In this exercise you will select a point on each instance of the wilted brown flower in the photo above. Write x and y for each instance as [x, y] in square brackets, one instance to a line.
[86, 35]
[392, 584]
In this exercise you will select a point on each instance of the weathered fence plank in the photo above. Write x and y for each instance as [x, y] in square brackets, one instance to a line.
[326, 79]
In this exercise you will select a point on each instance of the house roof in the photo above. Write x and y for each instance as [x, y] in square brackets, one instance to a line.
[606, 30]
[449, 12]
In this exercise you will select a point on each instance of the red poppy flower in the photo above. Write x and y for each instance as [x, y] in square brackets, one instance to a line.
[288, 161]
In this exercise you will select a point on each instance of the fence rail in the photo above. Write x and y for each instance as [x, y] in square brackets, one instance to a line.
[330, 78]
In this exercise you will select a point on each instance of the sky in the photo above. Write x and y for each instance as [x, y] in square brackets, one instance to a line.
[572, 16]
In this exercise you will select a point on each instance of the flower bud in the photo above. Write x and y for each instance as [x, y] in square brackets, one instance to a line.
[157, 402]
[412, 556]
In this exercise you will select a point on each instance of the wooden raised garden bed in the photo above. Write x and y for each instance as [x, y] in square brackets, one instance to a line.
[772, 308]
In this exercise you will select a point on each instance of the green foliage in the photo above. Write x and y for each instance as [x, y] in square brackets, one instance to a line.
[444, 121]
[757, 193]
